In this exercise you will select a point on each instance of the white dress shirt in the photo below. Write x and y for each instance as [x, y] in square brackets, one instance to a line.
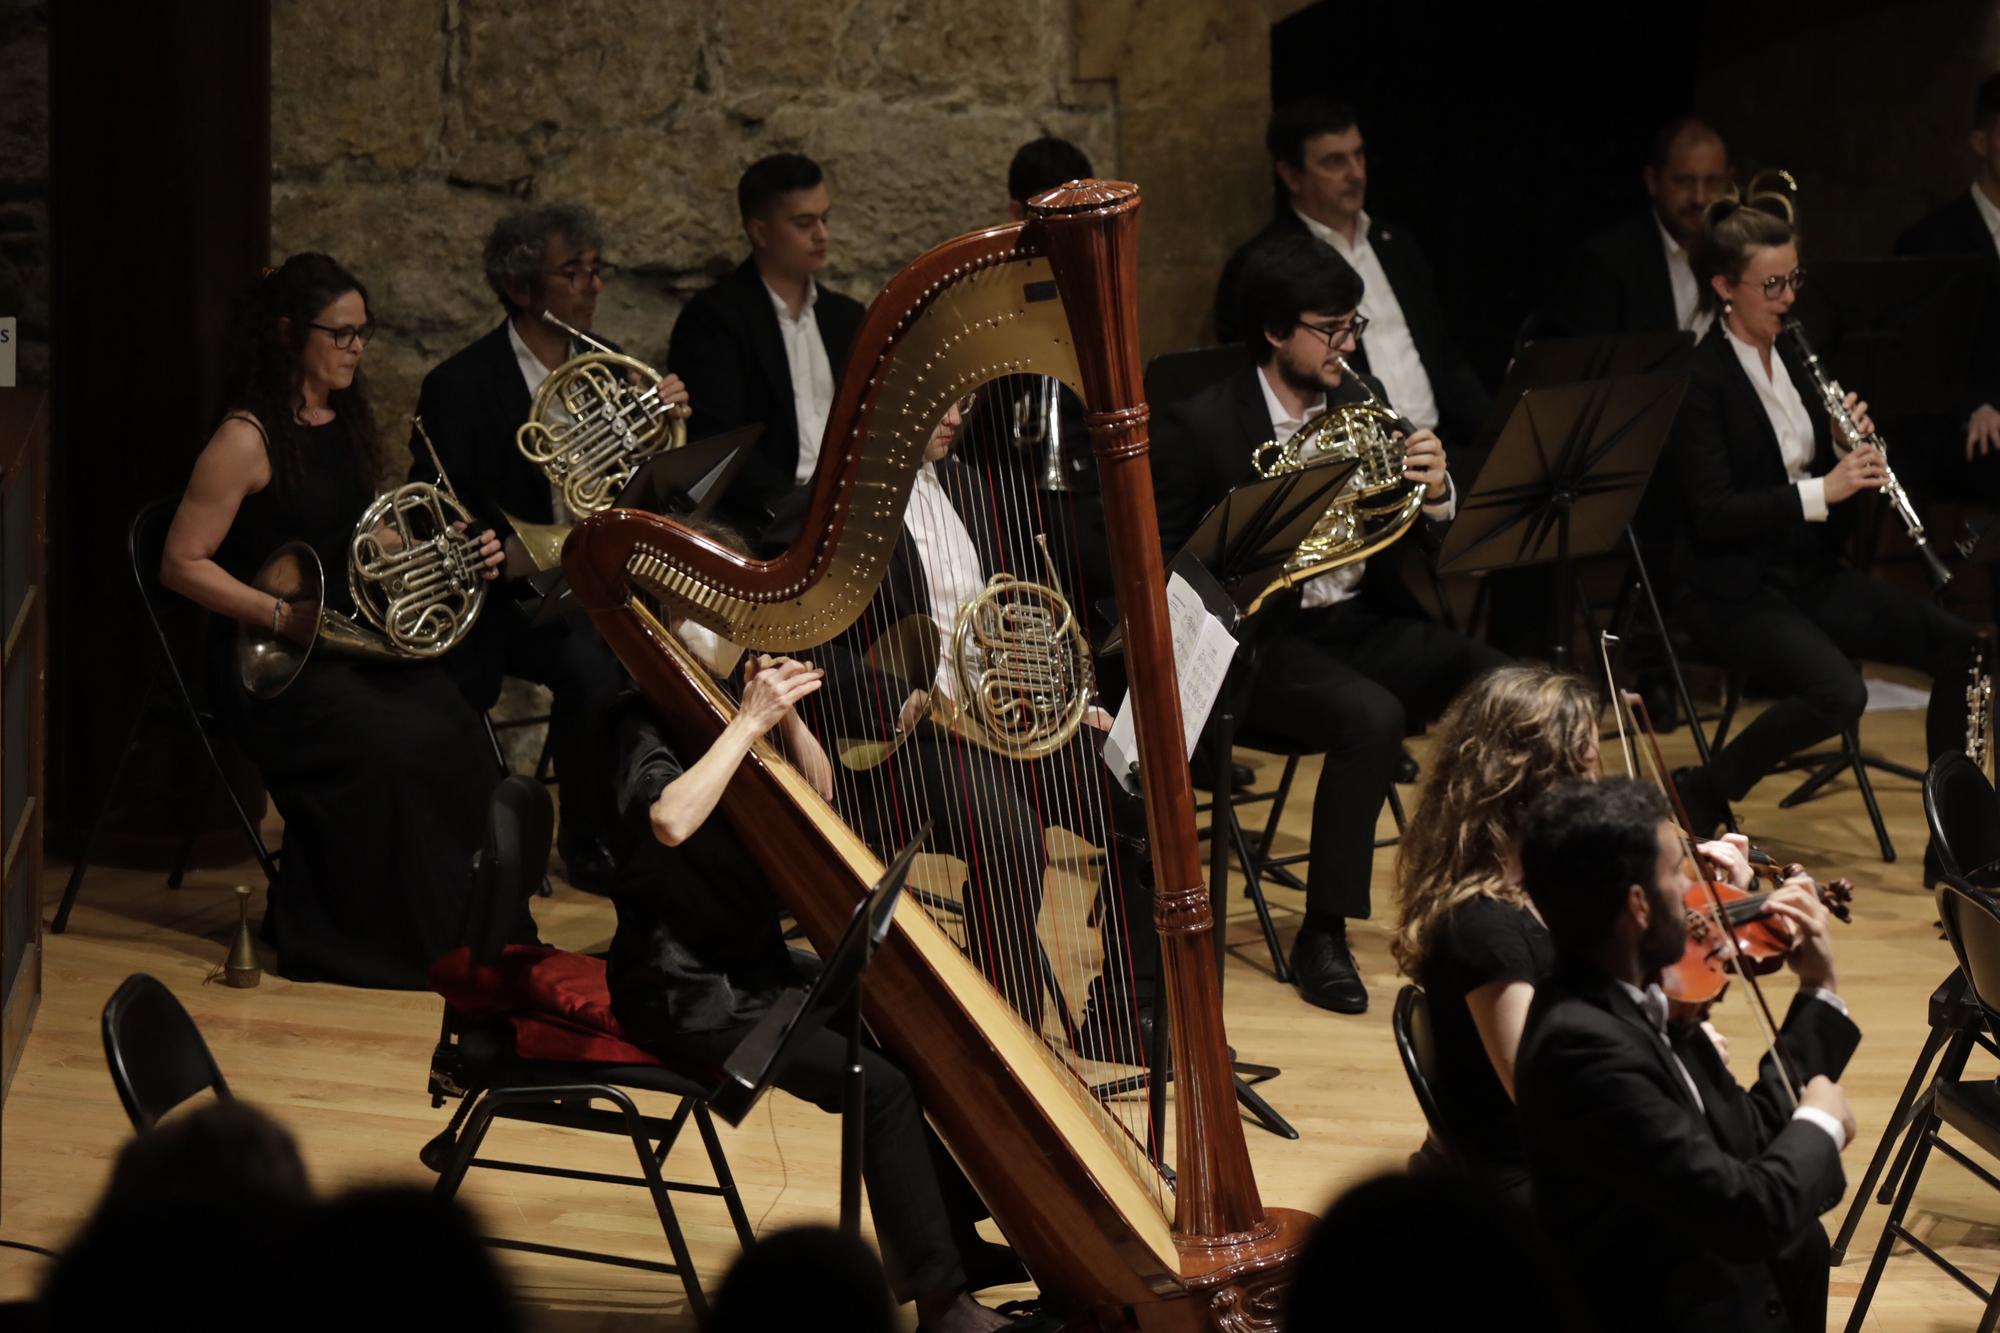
[1989, 213]
[1392, 352]
[1336, 585]
[812, 375]
[1652, 1003]
[1688, 313]
[948, 558]
[1790, 419]
[533, 372]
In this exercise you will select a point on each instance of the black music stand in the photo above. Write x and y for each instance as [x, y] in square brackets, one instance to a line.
[686, 482]
[1550, 361]
[1563, 482]
[801, 1011]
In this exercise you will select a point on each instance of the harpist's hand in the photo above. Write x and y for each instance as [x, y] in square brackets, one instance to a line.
[772, 685]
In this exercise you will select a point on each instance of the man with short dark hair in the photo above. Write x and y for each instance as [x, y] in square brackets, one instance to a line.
[1970, 225]
[768, 344]
[1634, 276]
[1682, 1202]
[1343, 665]
[1321, 165]
[545, 258]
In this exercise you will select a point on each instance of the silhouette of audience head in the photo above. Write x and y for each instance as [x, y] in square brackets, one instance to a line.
[805, 1277]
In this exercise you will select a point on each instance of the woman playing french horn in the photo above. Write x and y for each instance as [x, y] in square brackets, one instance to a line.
[378, 767]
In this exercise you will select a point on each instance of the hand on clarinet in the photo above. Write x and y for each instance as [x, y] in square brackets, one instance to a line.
[1862, 470]
[1424, 463]
[1857, 412]
[1982, 432]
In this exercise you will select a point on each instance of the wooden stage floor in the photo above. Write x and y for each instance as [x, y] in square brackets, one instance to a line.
[345, 1070]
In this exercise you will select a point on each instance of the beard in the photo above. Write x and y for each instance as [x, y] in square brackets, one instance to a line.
[1310, 379]
[1666, 936]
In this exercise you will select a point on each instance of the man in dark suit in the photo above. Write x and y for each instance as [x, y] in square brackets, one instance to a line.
[1970, 225]
[768, 344]
[1634, 276]
[1681, 1201]
[1342, 666]
[539, 259]
[1322, 174]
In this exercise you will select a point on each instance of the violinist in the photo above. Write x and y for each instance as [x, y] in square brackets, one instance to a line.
[1684, 1202]
[1466, 931]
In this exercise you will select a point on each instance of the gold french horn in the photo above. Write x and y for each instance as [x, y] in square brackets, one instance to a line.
[589, 429]
[415, 580]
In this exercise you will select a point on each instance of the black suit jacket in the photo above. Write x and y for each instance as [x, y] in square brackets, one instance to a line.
[727, 349]
[1958, 229]
[1669, 1217]
[1741, 525]
[1618, 282]
[1201, 449]
[1462, 400]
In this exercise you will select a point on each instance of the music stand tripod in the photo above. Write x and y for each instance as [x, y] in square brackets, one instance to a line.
[799, 1012]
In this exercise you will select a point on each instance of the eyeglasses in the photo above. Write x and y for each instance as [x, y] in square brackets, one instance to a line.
[1777, 283]
[1334, 333]
[344, 336]
[579, 277]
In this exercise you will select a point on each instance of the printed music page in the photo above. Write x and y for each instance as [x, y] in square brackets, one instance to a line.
[1203, 647]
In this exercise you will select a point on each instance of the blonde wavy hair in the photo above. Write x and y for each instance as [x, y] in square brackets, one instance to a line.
[1510, 736]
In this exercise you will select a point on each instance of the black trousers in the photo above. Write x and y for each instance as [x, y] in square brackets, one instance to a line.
[921, 1201]
[1347, 681]
[1802, 644]
[584, 678]
[993, 814]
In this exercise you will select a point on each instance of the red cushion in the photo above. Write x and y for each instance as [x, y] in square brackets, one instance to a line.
[557, 1002]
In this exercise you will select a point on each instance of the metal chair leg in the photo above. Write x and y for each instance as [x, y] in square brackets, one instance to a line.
[1921, 1137]
[1933, 1042]
[732, 1198]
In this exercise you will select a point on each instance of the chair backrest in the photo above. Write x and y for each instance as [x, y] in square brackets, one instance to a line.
[520, 830]
[1964, 814]
[145, 543]
[1416, 1043]
[1971, 919]
[154, 1051]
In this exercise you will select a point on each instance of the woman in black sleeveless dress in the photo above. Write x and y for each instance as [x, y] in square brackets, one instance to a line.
[380, 769]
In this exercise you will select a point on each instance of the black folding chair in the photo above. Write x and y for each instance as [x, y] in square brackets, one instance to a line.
[145, 538]
[1971, 1107]
[1963, 812]
[1416, 1043]
[476, 1063]
[154, 1051]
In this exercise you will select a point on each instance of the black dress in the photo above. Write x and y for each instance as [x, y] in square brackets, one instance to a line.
[380, 769]
[1479, 942]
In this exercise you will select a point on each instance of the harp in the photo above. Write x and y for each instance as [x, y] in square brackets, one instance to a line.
[1111, 1241]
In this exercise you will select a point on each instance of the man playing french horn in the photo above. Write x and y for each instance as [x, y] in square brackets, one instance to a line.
[546, 267]
[1348, 664]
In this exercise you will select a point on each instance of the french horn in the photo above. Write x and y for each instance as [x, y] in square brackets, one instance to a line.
[589, 429]
[414, 577]
[1372, 511]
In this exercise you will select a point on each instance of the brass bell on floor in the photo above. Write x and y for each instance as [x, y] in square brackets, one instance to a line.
[242, 970]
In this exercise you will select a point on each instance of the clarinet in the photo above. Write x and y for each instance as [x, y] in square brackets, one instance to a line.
[1979, 704]
[1848, 436]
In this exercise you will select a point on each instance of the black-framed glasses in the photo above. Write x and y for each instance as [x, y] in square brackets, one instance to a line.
[344, 335]
[579, 276]
[1333, 333]
[1777, 283]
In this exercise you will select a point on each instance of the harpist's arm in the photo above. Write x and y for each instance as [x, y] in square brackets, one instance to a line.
[687, 802]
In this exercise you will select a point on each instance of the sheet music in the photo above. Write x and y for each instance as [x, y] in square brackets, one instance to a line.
[1203, 647]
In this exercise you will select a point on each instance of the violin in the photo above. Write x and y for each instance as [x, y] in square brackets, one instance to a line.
[1731, 929]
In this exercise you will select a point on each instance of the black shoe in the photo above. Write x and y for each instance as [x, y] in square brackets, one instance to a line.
[1324, 971]
[989, 1265]
[588, 864]
[1706, 809]
[1406, 768]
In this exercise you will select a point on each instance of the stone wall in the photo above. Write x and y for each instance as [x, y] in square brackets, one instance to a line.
[24, 181]
[401, 131]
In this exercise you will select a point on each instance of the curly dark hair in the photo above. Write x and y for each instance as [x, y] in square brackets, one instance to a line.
[263, 375]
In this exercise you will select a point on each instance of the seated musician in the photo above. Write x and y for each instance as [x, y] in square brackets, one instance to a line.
[1346, 665]
[1968, 454]
[546, 258]
[1466, 931]
[380, 769]
[1681, 1201]
[1764, 514]
[990, 810]
[699, 955]
[768, 344]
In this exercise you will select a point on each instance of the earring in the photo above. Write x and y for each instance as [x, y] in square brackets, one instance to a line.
[1728, 307]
